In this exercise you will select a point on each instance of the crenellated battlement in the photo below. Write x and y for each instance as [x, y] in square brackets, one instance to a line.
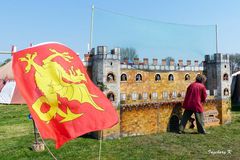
[155, 65]
[155, 62]
[165, 65]
[162, 67]
[217, 57]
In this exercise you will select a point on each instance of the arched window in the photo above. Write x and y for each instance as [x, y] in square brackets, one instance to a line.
[157, 77]
[123, 77]
[187, 77]
[138, 77]
[225, 92]
[111, 96]
[225, 77]
[170, 77]
[110, 77]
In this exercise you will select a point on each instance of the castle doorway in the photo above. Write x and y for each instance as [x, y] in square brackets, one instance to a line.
[174, 124]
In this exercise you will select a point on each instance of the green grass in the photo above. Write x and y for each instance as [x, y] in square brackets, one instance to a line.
[16, 138]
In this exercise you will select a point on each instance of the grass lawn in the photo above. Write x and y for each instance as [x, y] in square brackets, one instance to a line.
[16, 138]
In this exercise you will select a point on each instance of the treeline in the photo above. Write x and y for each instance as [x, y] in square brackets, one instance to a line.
[234, 62]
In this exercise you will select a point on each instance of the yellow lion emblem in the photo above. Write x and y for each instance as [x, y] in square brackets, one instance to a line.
[53, 80]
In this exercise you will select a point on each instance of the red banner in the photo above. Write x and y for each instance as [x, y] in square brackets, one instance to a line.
[62, 99]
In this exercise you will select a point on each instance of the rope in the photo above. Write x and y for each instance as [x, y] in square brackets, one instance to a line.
[149, 20]
[47, 146]
[100, 146]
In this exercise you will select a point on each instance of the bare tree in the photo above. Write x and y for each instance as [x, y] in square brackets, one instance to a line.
[129, 53]
[168, 59]
[234, 62]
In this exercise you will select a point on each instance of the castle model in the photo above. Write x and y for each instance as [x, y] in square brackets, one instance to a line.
[148, 95]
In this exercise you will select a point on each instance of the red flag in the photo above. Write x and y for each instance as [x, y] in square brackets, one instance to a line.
[62, 99]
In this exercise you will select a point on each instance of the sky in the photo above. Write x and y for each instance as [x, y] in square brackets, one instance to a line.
[68, 21]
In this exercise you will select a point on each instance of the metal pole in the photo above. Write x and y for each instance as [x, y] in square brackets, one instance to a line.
[35, 132]
[216, 29]
[5, 52]
[100, 145]
[14, 49]
[91, 29]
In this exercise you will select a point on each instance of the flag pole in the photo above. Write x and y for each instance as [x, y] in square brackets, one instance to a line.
[35, 131]
[216, 30]
[91, 29]
[100, 145]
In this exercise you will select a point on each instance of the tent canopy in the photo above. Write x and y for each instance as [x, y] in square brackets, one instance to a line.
[9, 93]
[6, 71]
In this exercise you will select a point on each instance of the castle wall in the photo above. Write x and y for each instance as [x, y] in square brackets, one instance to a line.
[148, 118]
[149, 85]
[224, 108]
[110, 133]
[149, 105]
[139, 120]
[154, 118]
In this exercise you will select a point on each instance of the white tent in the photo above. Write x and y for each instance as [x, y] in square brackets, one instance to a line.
[9, 93]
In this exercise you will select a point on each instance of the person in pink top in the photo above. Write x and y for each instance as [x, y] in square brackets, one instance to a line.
[195, 96]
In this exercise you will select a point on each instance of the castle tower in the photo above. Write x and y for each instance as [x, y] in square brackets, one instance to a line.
[217, 70]
[106, 72]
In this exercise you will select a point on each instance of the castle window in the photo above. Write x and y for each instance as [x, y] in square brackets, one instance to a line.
[123, 96]
[226, 92]
[183, 94]
[179, 95]
[111, 96]
[129, 97]
[225, 77]
[134, 96]
[174, 94]
[139, 96]
[124, 77]
[145, 95]
[157, 77]
[110, 77]
[138, 77]
[187, 77]
[170, 77]
[154, 95]
[215, 92]
[165, 95]
[211, 93]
